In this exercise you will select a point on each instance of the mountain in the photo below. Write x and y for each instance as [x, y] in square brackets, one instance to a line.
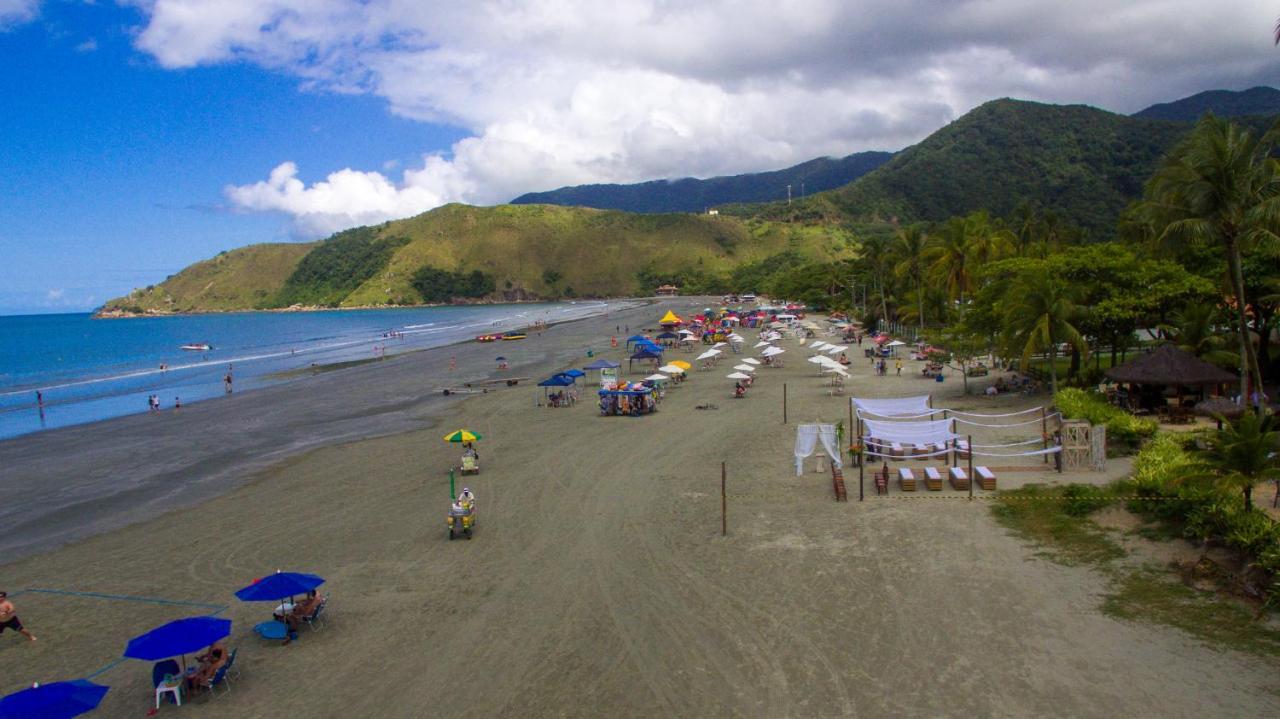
[1223, 103]
[508, 252]
[1082, 163]
[235, 280]
[694, 195]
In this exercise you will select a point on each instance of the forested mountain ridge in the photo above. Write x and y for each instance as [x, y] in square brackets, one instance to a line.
[1259, 100]
[694, 195]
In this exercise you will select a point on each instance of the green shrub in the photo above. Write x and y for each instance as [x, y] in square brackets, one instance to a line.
[1080, 500]
[1122, 428]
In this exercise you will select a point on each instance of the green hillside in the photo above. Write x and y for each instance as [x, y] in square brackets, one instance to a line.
[1259, 100]
[244, 278]
[520, 251]
[1081, 162]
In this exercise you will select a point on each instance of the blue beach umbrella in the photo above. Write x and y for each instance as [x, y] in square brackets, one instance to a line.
[59, 700]
[178, 638]
[278, 586]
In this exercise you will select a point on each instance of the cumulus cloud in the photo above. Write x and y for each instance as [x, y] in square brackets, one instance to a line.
[14, 12]
[558, 92]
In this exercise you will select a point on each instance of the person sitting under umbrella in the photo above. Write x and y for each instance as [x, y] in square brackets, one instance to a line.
[210, 662]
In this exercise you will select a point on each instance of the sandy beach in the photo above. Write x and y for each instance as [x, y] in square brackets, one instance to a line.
[598, 582]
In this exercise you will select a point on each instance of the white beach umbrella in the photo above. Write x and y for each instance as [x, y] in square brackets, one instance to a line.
[837, 370]
[738, 375]
[836, 349]
[896, 343]
[671, 369]
[720, 344]
[657, 378]
[745, 367]
[751, 360]
[761, 343]
[772, 351]
[687, 332]
[819, 346]
[708, 354]
[816, 359]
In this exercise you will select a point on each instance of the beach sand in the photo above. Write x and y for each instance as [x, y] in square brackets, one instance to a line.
[597, 582]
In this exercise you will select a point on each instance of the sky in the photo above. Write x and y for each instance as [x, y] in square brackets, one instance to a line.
[140, 136]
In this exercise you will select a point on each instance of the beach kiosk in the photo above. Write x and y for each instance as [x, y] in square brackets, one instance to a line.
[628, 400]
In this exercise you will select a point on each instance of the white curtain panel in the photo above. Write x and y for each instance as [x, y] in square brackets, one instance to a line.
[808, 436]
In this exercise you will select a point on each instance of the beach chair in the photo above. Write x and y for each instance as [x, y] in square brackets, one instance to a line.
[219, 679]
[315, 617]
[922, 451]
[906, 479]
[896, 451]
[232, 672]
[962, 448]
[470, 465]
[882, 480]
[932, 479]
[940, 449]
[986, 478]
[959, 480]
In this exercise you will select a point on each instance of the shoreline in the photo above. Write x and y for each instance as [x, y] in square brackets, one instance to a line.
[121, 314]
[122, 470]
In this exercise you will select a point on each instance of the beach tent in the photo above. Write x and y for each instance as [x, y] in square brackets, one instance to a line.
[602, 364]
[667, 335]
[645, 354]
[670, 318]
[575, 373]
[557, 380]
[636, 338]
[919, 406]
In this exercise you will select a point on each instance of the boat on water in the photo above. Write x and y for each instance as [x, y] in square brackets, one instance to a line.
[198, 347]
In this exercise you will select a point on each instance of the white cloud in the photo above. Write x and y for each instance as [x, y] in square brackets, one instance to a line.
[87, 46]
[14, 12]
[55, 295]
[559, 92]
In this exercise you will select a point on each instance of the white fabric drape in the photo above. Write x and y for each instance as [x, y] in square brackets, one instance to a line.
[807, 438]
[894, 407]
[912, 432]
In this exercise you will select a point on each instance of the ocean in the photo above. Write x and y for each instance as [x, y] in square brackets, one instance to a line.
[87, 369]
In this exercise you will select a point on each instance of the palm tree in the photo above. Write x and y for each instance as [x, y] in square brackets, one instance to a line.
[1039, 317]
[948, 260]
[987, 240]
[1220, 186]
[909, 247]
[1194, 329]
[1239, 456]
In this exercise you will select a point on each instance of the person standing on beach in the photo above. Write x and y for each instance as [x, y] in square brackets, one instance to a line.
[226, 381]
[39, 399]
[898, 366]
[453, 363]
[9, 618]
[177, 403]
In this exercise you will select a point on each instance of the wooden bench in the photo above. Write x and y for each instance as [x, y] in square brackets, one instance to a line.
[959, 480]
[986, 478]
[932, 479]
[962, 448]
[906, 480]
[837, 484]
[921, 451]
[896, 451]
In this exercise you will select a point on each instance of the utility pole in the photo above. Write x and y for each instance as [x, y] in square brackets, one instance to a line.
[802, 190]
[788, 194]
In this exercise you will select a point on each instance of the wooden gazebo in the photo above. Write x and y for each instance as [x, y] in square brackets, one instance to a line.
[1169, 366]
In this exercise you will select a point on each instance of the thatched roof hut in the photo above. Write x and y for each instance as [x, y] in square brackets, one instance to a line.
[1215, 406]
[1169, 365]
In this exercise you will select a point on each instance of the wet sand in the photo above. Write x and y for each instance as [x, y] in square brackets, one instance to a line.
[598, 583]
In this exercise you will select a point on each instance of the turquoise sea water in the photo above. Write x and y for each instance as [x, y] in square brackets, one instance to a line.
[88, 369]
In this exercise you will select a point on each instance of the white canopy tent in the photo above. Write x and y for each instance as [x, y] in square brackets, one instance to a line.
[808, 436]
[919, 406]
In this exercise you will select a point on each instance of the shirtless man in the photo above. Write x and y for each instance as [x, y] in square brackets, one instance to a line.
[9, 618]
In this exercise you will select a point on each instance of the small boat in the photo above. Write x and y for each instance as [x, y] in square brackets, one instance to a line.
[197, 347]
[514, 336]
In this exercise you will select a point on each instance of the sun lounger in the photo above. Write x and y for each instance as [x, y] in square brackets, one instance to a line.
[932, 479]
[959, 480]
[906, 480]
[896, 451]
[962, 448]
[940, 449]
[986, 478]
[922, 451]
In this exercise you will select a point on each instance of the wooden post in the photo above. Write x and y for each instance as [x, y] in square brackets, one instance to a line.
[784, 402]
[851, 435]
[970, 466]
[1044, 431]
[724, 504]
[861, 496]
[1057, 456]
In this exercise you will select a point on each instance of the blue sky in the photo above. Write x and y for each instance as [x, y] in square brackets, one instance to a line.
[115, 167]
[140, 136]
